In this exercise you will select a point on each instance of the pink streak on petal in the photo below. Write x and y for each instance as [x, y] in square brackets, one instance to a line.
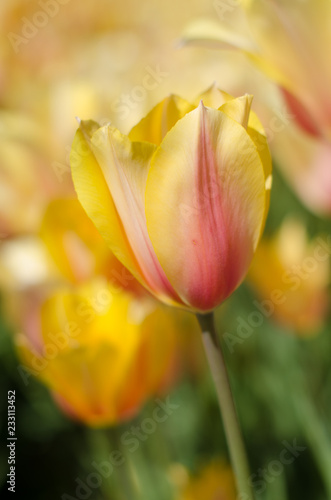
[218, 259]
[301, 115]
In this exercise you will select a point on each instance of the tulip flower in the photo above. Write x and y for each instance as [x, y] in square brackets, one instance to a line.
[101, 352]
[182, 200]
[299, 64]
[292, 276]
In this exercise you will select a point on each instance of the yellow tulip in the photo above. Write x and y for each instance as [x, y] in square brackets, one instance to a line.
[213, 482]
[291, 276]
[100, 351]
[182, 200]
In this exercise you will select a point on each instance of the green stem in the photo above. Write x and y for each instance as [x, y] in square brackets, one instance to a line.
[226, 403]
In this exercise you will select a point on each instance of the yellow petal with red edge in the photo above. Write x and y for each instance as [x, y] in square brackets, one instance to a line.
[205, 205]
[94, 195]
[153, 127]
[121, 167]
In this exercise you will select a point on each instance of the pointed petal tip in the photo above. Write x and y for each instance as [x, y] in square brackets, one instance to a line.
[249, 97]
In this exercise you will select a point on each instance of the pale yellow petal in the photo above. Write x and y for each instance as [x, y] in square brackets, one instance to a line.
[94, 195]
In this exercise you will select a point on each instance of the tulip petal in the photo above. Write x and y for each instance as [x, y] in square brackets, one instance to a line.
[238, 109]
[94, 195]
[262, 148]
[122, 168]
[297, 61]
[220, 35]
[153, 358]
[77, 327]
[214, 33]
[205, 220]
[301, 29]
[124, 176]
[153, 127]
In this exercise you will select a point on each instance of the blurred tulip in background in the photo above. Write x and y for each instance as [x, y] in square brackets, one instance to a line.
[99, 351]
[299, 65]
[292, 274]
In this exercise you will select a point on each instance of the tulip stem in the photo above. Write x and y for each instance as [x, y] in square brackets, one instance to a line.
[225, 399]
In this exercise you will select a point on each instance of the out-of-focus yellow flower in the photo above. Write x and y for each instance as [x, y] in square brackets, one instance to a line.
[214, 482]
[72, 240]
[299, 64]
[27, 182]
[77, 248]
[100, 351]
[304, 161]
[182, 200]
[291, 276]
